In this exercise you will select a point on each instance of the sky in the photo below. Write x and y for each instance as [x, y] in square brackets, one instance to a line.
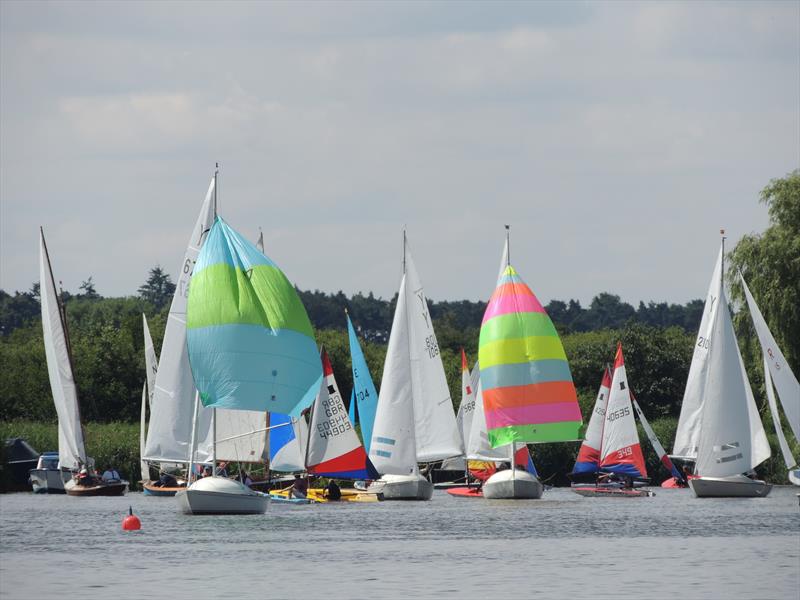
[615, 138]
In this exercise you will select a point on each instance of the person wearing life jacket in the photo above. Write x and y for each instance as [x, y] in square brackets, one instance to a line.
[111, 474]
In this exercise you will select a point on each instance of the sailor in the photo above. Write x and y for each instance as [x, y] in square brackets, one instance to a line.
[111, 474]
[299, 488]
[333, 491]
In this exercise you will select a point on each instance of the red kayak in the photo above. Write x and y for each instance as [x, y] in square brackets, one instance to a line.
[466, 492]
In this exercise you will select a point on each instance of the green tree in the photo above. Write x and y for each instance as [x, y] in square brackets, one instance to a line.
[88, 291]
[158, 289]
[770, 263]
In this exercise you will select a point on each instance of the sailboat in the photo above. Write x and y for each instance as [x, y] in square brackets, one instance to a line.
[588, 462]
[527, 389]
[620, 451]
[414, 421]
[72, 457]
[778, 373]
[251, 347]
[466, 410]
[677, 478]
[731, 440]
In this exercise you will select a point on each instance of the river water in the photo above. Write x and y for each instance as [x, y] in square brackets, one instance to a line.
[562, 546]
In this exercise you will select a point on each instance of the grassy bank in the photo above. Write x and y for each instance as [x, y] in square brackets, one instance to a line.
[117, 444]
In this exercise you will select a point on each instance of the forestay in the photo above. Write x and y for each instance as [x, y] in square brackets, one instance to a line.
[71, 451]
[689, 422]
[620, 450]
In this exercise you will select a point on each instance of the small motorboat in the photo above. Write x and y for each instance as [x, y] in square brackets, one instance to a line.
[47, 477]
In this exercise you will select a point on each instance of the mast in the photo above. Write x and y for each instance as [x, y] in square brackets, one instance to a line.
[214, 409]
[513, 444]
[722, 267]
[193, 439]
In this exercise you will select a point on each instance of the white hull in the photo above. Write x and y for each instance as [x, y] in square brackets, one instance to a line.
[220, 496]
[736, 486]
[49, 481]
[794, 477]
[516, 484]
[403, 487]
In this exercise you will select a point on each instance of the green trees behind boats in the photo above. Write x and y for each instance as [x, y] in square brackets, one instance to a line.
[107, 341]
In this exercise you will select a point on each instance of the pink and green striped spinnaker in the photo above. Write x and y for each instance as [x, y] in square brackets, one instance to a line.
[528, 394]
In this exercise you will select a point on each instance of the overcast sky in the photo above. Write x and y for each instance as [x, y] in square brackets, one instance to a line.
[615, 138]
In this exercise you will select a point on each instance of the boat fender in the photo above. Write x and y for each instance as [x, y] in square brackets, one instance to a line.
[131, 522]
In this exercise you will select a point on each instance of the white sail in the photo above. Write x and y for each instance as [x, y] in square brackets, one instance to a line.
[150, 361]
[733, 440]
[436, 432]
[466, 410]
[688, 431]
[393, 449]
[143, 466]
[291, 457]
[785, 381]
[235, 440]
[71, 452]
[478, 446]
[172, 413]
[788, 458]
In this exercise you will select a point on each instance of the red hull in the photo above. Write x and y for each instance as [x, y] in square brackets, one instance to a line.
[465, 492]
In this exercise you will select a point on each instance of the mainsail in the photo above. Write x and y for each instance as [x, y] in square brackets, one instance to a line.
[414, 421]
[150, 361]
[466, 409]
[620, 450]
[172, 403]
[71, 451]
[334, 449]
[251, 345]
[528, 394]
[788, 457]
[589, 455]
[364, 399]
[689, 422]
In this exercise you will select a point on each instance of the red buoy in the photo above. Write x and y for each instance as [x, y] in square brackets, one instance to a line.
[131, 522]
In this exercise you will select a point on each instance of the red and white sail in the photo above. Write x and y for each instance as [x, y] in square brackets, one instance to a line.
[620, 449]
[589, 455]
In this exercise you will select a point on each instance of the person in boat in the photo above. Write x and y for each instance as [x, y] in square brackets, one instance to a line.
[332, 491]
[207, 472]
[167, 480]
[222, 469]
[111, 474]
[85, 478]
[299, 488]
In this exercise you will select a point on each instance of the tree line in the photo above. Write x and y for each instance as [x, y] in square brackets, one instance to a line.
[107, 338]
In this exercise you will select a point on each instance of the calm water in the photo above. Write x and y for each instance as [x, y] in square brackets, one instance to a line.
[672, 545]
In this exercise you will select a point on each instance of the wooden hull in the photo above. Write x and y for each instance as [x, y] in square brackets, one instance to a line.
[512, 485]
[100, 489]
[150, 489]
[737, 486]
[591, 491]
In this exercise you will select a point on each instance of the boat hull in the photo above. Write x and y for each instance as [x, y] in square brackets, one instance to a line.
[220, 496]
[103, 488]
[403, 487]
[611, 492]
[737, 486]
[150, 489]
[465, 492]
[49, 481]
[794, 477]
[512, 485]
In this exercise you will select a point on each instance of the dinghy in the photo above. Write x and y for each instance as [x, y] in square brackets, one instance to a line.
[527, 389]
[588, 462]
[414, 421]
[251, 347]
[777, 373]
[58, 353]
[731, 439]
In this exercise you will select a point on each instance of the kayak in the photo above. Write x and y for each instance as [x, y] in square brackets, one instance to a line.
[286, 500]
